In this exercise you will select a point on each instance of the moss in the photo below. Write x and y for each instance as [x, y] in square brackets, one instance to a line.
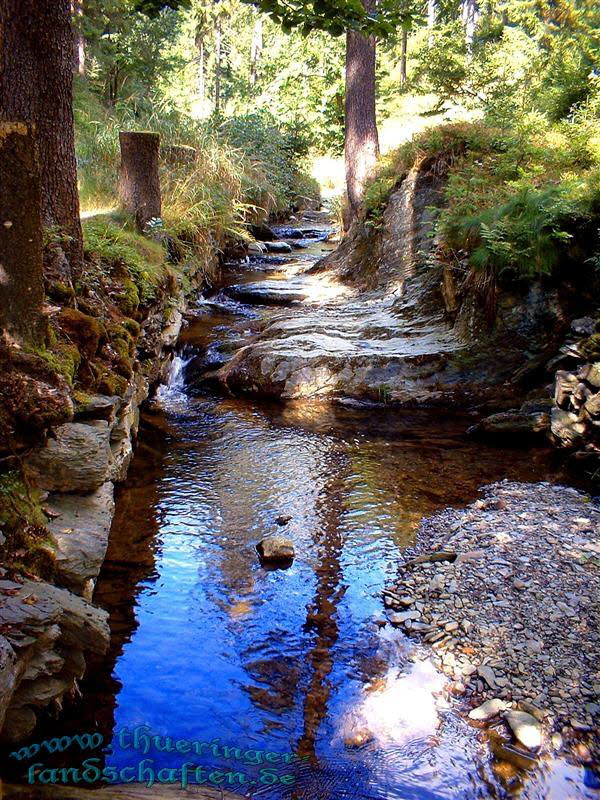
[59, 291]
[28, 546]
[61, 357]
[82, 329]
[144, 259]
[112, 384]
[128, 297]
[133, 327]
[118, 332]
[590, 347]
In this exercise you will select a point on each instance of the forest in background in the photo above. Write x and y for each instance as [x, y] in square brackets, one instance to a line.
[261, 95]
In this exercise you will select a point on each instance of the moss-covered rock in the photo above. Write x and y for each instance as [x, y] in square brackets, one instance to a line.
[83, 330]
[112, 384]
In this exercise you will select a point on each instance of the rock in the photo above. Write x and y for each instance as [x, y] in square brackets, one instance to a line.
[584, 326]
[77, 459]
[591, 374]
[358, 738]
[487, 673]
[283, 519]
[514, 423]
[81, 530]
[566, 428]
[256, 248]
[526, 728]
[278, 247]
[263, 233]
[564, 386]
[98, 407]
[267, 293]
[276, 550]
[399, 618]
[489, 709]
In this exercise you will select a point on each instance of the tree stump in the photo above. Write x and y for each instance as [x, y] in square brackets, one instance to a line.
[21, 242]
[139, 184]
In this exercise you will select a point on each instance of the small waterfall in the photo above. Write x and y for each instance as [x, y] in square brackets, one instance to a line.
[174, 388]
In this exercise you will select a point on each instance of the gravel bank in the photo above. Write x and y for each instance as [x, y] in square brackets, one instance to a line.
[507, 594]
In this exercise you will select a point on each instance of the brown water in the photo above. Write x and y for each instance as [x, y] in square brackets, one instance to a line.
[209, 646]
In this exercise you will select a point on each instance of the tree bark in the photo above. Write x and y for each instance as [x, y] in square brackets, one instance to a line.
[21, 241]
[139, 184]
[361, 146]
[36, 86]
[403, 58]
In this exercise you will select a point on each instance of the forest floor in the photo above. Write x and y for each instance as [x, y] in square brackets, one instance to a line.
[506, 593]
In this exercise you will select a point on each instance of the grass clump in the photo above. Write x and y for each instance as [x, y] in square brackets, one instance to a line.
[111, 242]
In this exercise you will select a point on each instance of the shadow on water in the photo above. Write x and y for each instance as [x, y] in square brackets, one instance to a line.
[209, 647]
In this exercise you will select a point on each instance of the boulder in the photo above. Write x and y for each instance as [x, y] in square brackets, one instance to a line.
[566, 427]
[266, 293]
[526, 728]
[278, 550]
[77, 459]
[80, 530]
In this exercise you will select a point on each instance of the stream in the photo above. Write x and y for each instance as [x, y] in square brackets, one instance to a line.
[295, 671]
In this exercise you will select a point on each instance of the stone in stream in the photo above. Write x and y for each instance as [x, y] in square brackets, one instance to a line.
[267, 293]
[283, 519]
[487, 710]
[526, 729]
[276, 551]
[278, 247]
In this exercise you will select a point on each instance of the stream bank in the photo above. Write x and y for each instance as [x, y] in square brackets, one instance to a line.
[505, 592]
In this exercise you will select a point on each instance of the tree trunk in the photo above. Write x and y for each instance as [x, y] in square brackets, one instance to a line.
[403, 58]
[470, 17]
[431, 19]
[218, 56]
[139, 184]
[256, 50]
[78, 37]
[361, 138]
[21, 267]
[36, 86]
[201, 91]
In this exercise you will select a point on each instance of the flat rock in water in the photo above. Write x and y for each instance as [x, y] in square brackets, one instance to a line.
[276, 550]
[526, 729]
[267, 293]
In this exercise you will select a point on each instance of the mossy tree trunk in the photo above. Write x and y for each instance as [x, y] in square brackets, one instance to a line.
[139, 184]
[36, 86]
[21, 240]
[361, 146]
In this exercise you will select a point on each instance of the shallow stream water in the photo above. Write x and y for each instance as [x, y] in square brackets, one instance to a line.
[210, 647]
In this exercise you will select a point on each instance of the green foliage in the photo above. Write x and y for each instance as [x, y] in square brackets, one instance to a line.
[515, 202]
[113, 243]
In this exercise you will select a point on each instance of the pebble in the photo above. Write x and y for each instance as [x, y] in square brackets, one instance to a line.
[515, 608]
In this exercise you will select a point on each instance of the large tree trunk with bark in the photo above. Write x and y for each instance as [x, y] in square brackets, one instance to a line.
[36, 86]
[139, 184]
[21, 268]
[361, 139]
